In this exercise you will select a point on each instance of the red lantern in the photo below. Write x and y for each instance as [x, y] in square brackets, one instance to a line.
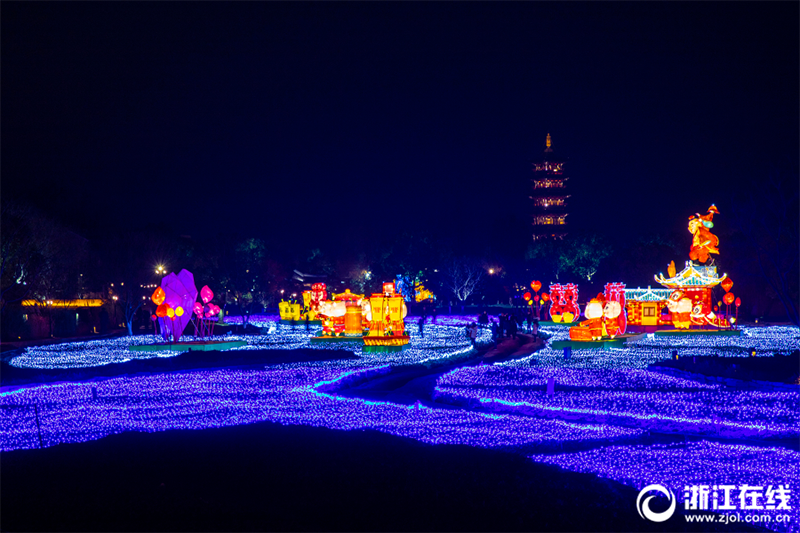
[727, 283]
[159, 296]
[545, 297]
[527, 296]
[729, 298]
[161, 310]
[738, 302]
[536, 298]
[716, 309]
[536, 285]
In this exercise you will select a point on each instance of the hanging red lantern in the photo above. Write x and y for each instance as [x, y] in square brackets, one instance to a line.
[545, 297]
[536, 285]
[738, 302]
[527, 296]
[727, 283]
[729, 298]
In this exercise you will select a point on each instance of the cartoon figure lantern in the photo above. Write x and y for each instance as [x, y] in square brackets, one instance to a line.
[680, 309]
[311, 301]
[703, 241]
[593, 328]
[564, 307]
[605, 316]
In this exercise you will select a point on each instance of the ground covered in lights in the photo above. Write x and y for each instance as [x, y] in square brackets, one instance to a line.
[610, 415]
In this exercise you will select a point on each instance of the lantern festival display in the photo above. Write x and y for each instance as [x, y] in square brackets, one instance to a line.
[387, 326]
[291, 311]
[564, 303]
[605, 316]
[175, 300]
[176, 304]
[205, 314]
[422, 294]
[377, 319]
[686, 302]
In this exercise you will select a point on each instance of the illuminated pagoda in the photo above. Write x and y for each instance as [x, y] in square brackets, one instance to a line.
[549, 198]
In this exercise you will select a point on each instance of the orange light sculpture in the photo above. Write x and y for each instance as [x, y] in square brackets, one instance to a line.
[690, 304]
[704, 242]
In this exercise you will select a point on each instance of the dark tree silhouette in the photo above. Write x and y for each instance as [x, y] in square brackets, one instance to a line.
[768, 220]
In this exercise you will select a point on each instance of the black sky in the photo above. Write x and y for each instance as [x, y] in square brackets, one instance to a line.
[329, 119]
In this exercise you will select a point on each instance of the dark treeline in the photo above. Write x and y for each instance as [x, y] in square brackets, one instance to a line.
[43, 260]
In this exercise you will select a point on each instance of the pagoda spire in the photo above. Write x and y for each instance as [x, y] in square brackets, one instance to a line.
[548, 143]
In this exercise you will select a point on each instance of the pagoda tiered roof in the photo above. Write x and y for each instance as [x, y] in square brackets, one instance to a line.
[692, 276]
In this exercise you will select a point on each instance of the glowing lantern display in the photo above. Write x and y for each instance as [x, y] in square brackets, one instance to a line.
[729, 298]
[605, 316]
[352, 318]
[161, 310]
[422, 294]
[536, 285]
[536, 298]
[726, 284]
[565, 303]
[179, 291]
[545, 297]
[198, 309]
[527, 296]
[206, 294]
[738, 302]
[179, 311]
[158, 296]
[704, 242]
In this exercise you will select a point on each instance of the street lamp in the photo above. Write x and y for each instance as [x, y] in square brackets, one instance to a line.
[161, 270]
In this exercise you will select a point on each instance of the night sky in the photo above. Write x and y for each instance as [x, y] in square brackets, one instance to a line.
[335, 119]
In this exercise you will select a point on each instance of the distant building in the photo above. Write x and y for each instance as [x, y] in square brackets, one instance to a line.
[549, 196]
